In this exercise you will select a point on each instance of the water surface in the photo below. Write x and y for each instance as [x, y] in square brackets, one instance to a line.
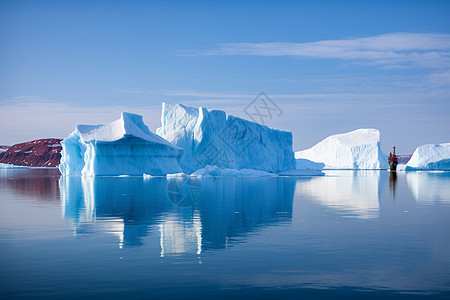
[350, 234]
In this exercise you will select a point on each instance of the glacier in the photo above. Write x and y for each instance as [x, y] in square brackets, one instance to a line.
[211, 137]
[123, 147]
[358, 149]
[430, 157]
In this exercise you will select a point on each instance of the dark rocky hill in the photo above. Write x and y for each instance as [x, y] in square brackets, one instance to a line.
[403, 159]
[37, 153]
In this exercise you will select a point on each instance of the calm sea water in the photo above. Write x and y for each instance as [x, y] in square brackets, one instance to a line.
[347, 235]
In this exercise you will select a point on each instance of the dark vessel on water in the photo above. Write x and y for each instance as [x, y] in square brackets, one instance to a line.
[393, 161]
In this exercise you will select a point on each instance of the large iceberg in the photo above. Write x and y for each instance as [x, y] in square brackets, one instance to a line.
[358, 149]
[122, 147]
[211, 137]
[430, 157]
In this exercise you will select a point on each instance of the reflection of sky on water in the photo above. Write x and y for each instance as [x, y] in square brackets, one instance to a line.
[353, 193]
[40, 185]
[429, 187]
[346, 231]
[188, 220]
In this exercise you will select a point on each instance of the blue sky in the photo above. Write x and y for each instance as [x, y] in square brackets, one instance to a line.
[331, 66]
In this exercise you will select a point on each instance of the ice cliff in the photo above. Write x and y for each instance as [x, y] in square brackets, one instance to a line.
[123, 147]
[430, 157]
[211, 137]
[358, 149]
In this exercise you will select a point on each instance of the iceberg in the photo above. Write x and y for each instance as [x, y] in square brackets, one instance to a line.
[306, 164]
[358, 149]
[123, 147]
[430, 157]
[401, 167]
[211, 137]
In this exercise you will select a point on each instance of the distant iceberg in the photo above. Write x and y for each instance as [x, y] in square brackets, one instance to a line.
[430, 157]
[306, 164]
[122, 147]
[211, 137]
[358, 149]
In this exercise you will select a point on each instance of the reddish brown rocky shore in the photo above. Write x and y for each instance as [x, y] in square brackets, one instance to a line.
[37, 153]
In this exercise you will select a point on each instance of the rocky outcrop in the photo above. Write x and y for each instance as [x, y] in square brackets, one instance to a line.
[403, 159]
[37, 153]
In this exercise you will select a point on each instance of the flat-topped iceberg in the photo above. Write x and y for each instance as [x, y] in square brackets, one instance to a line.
[211, 137]
[358, 149]
[430, 157]
[122, 147]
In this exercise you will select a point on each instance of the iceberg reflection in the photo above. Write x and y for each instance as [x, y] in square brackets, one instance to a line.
[355, 193]
[429, 187]
[35, 184]
[189, 215]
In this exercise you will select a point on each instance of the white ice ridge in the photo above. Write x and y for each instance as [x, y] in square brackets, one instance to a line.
[211, 137]
[430, 157]
[358, 149]
[123, 147]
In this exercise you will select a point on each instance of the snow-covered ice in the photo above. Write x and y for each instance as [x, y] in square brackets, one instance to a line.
[430, 157]
[123, 147]
[401, 167]
[211, 137]
[358, 149]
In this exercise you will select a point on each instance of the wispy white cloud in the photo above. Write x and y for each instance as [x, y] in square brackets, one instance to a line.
[428, 50]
